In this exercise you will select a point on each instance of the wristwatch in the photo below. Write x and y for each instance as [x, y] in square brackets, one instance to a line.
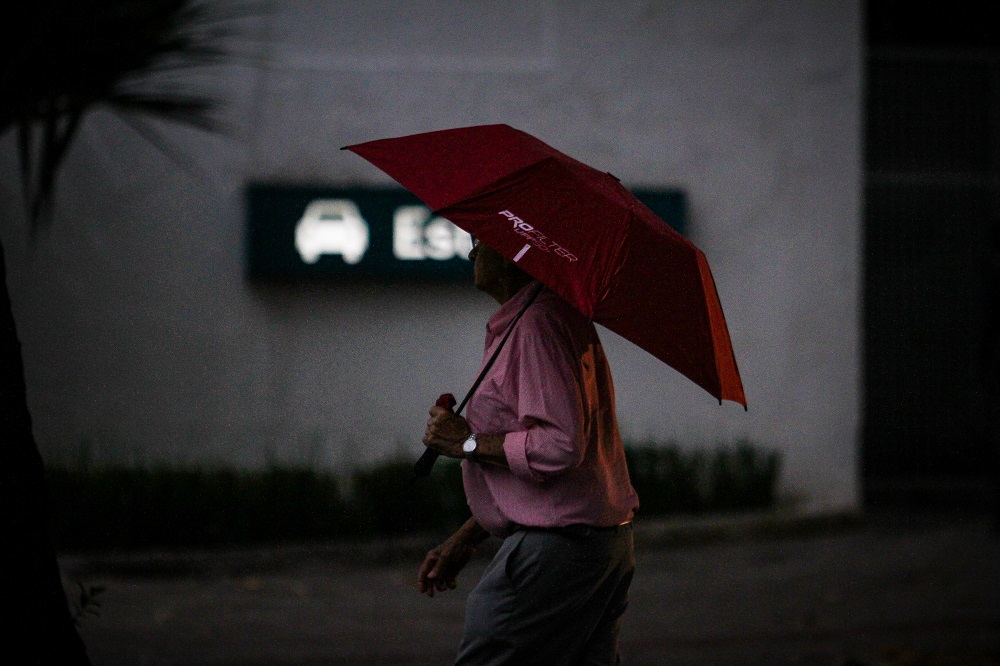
[469, 448]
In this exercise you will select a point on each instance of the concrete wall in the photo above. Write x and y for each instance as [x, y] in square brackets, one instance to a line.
[144, 342]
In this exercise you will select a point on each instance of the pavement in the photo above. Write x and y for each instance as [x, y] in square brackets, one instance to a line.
[762, 589]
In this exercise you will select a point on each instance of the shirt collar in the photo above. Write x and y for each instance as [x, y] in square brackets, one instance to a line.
[501, 319]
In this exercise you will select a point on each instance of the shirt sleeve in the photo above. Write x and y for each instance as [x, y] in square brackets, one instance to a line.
[549, 402]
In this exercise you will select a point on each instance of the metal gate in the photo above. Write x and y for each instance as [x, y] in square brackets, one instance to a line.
[932, 229]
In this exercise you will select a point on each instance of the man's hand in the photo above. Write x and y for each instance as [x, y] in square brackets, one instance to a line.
[446, 431]
[441, 565]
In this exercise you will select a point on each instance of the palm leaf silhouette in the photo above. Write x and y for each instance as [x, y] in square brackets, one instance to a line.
[64, 57]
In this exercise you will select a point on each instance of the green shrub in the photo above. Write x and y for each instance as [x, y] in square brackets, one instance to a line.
[671, 480]
[134, 507]
[388, 501]
[743, 477]
[127, 507]
[666, 479]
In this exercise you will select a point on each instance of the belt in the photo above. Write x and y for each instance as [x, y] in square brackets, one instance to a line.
[575, 530]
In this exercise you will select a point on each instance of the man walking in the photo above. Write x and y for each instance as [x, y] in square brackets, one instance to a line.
[544, 469]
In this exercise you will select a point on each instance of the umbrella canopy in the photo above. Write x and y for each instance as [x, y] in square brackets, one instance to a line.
[580, 232]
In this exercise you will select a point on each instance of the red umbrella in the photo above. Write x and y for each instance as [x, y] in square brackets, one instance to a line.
[580, 232]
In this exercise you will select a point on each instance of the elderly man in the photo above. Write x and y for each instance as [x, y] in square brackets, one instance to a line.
[543, 469]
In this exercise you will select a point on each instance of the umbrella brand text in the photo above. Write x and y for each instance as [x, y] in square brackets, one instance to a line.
[537, 238]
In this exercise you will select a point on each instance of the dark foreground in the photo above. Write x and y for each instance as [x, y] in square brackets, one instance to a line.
[876, 591]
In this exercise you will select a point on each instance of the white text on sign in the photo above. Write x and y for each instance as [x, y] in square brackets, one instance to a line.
[416, 236]
[336, 227]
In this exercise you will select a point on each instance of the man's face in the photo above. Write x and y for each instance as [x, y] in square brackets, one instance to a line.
[488, 266]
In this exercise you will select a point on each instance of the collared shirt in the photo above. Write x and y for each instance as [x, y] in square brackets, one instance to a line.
[550, 390]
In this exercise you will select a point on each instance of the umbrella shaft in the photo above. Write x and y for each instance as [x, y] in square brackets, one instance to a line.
[426, 462]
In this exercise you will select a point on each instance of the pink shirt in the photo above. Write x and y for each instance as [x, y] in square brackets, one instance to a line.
[550, 390]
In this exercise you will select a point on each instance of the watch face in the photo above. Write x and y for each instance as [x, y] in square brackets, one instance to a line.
[469, 446]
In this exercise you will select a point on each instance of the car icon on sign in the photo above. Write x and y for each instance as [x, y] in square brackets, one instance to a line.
[331, 226]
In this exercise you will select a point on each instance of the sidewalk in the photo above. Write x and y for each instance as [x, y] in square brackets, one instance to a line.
[760, 589]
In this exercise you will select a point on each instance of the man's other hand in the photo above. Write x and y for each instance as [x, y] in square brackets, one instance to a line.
[440, 567]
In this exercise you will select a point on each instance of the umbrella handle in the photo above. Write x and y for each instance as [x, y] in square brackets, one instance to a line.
[426, 462]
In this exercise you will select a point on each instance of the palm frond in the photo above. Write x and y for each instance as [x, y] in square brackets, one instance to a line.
[140, 125]
[64, 57]
[192, 110]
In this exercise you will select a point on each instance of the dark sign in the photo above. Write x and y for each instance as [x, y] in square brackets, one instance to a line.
[384, 234]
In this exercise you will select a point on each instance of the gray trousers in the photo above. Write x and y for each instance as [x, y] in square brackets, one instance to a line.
[551, 597]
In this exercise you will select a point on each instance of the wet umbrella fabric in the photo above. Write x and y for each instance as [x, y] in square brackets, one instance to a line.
[580, 232]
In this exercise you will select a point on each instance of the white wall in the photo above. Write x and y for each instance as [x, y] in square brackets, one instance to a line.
[142, 338]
